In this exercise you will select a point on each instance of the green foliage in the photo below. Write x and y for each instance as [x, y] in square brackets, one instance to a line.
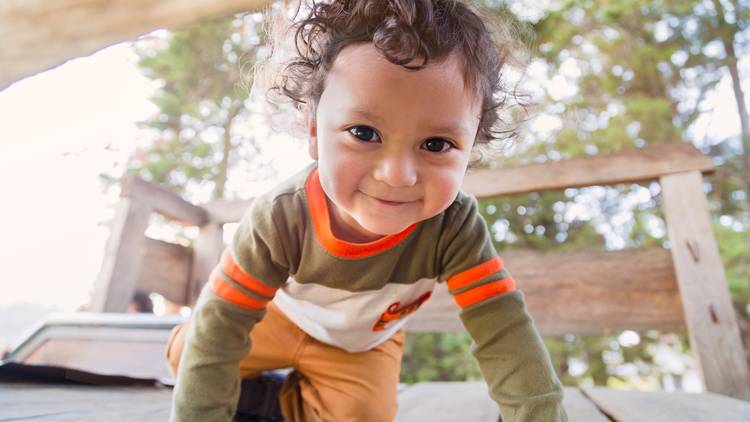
[530, 222]
[438, 357]
[652, 69]
[727, 194]
[734, 244]
[201, 103]
[608, 360]
[640, 70]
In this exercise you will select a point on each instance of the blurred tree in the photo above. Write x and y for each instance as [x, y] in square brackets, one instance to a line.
[637, 73]
[438, 356]
[728, 24]
[200, 128]
[625, 74]
[648, 66]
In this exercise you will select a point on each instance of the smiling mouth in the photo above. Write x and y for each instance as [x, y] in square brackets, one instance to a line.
[388, 201]
[392, 203]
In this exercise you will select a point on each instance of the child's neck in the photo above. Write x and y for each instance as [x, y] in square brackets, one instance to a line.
[343, 230]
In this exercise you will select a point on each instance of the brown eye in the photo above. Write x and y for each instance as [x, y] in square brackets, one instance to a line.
[437, 145]
[364, 133]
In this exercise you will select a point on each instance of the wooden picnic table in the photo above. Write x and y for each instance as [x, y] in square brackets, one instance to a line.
[435, 402]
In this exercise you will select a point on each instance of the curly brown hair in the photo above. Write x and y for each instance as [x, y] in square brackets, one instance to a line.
[405, 32]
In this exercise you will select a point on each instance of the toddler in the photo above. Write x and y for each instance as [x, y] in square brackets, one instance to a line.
[325, 269]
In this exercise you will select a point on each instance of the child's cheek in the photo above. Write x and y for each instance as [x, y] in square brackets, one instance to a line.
[442, 189]
[346, 174]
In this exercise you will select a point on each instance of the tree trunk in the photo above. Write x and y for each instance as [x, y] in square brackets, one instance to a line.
[221, 178]
[727, 33]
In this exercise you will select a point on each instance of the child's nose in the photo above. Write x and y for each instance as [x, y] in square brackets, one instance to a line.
[396, 170]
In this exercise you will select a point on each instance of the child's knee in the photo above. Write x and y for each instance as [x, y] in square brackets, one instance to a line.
[174, 347]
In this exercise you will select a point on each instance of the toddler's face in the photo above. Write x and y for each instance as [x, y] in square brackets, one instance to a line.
[392, 145]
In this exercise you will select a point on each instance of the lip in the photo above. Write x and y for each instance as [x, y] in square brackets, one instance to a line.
[389, 202]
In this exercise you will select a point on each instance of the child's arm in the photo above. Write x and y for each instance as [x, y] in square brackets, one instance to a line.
[231, 303]
[513, 360]
[510, 351]
[208, 376]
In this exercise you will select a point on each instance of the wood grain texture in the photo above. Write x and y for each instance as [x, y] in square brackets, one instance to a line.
[224, 211]
[74, 403]
[658, 406]
[123, 257]
[446, 402]
[711, 322]
[580, 293]
[163, 201]
[207, 247]
[629, 166]
[580, 408]
[449, 402]
[38, 35]
[166, 270]
[470, 402]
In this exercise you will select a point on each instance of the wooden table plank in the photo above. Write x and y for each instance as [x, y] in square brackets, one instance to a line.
[446, 402]
[470, 402]
[74, 403]
[580, 408]
[656, 406]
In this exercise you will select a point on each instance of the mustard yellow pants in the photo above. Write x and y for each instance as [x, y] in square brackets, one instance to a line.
[332, 385]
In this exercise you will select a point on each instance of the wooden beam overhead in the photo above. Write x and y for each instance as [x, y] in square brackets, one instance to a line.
[225, 211]
[629, 166]
[39, 35]
[163, 201]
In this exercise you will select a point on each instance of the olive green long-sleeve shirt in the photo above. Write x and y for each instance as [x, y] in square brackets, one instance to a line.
[355, 296]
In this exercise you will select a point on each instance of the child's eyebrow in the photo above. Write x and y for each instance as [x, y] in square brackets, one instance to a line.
[459, 129]
[367, 114]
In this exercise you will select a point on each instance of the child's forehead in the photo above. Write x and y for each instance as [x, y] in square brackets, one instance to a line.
[366, 55]
[363, 82]
[363, 64]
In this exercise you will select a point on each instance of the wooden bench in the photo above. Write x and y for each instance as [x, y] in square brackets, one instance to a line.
[579, 292]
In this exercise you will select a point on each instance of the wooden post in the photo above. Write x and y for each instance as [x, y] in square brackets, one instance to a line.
[710, 318]
[207, 250]
[121, 266]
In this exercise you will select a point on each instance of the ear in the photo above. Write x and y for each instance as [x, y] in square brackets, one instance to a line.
[312, 132]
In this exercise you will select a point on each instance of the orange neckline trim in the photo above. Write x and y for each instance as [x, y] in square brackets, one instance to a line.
[321, 221]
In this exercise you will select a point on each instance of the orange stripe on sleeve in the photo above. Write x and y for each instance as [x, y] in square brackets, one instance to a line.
[244, 279]
[486, 291]
[231, 294]
[475, 273]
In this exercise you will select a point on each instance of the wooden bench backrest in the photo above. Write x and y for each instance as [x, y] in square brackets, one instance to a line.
[579, 293]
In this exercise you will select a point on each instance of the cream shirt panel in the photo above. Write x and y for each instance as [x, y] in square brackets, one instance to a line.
[346, 319]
